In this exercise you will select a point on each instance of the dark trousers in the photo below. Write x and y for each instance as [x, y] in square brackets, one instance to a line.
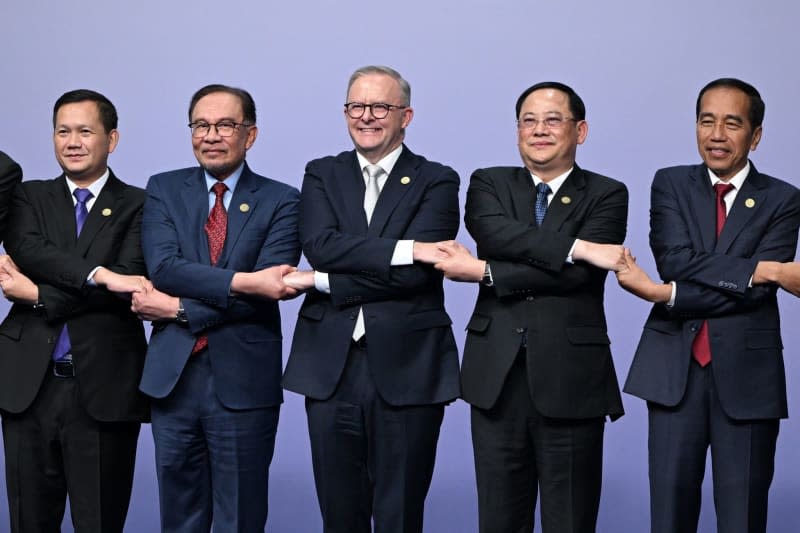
[212, 462]
[742, 459]
[372, 461]
[55, 448]
[517, 451]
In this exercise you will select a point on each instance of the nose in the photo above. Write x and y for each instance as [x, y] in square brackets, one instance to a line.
[213, 134]
[718, 132]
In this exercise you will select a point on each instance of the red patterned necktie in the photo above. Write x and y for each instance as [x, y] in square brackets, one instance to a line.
[701, 345]
[216, 228]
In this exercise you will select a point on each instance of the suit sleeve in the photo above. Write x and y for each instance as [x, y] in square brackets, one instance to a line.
[526, 259]
[36, 255]
[697, 273]
[359, 266]
[205, 289]
[10, 176]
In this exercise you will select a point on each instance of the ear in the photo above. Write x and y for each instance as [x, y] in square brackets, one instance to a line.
[408, 114]
[583, 130]
[756, 139]
[113, 140]
[252, 133]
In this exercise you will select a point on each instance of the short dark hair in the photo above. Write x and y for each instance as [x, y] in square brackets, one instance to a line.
[576, 106]
[108, 113]
[248, 104]
[757, 106]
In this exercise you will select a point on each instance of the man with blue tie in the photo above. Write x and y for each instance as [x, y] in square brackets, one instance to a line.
[71, 350]
[710, 359]
[537, 368]
[217, 241]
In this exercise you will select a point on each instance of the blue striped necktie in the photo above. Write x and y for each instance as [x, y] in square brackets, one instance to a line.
[542, 191]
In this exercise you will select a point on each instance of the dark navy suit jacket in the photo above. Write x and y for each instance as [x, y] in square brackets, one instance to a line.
[712, 277]
[244, 333]
[412, 352]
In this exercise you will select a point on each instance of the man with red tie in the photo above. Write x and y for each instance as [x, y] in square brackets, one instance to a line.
[710, 360]
[217, 240]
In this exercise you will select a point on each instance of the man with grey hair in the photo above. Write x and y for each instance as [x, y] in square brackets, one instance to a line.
[373, 351]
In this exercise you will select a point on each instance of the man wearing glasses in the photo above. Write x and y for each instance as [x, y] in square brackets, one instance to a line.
[537, 367]
[373, 351]
[217, 241]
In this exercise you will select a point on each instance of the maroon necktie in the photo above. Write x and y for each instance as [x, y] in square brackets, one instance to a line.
[701, 346]
[216, 227]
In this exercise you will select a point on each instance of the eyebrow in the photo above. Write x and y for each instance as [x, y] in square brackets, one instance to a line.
[736, 118]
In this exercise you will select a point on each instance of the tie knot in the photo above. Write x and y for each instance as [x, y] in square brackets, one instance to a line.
[219, 189]
[543, 188]
[82, 195]
[373, 171]
[722, 189]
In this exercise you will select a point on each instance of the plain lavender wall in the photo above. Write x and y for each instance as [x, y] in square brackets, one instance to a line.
[637, 64]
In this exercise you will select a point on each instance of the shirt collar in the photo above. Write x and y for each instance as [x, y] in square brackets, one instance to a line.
[95, 187]
[229, 182]
[737, 180]
[387, 163]
[554, 183]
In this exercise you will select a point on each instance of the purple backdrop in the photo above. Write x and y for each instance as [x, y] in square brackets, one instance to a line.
[638, 66]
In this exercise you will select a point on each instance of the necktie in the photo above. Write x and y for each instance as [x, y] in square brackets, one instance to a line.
[216, 227]
[373, 190]
[370, 199]
[701, 345]
[63, 347]
[542, 191]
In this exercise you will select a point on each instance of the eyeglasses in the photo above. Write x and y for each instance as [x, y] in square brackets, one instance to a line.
[551, 123]
[378, 110]
[225, 128]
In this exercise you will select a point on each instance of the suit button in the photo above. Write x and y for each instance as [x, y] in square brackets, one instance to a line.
[529, 298]
[693, 328]
[352, 316]
[520, 330]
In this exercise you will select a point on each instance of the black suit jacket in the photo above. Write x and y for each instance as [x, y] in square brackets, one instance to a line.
[556, 307]
[10, 175]
[411, 348]
[712, 277]
[108, 342]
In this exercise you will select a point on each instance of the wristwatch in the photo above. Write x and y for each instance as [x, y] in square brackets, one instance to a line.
[180, 316]
[487, 275]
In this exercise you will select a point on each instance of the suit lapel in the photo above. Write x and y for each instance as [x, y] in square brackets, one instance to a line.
[102, 211]
[569, 196]
[63, 211]
[748, 201]
[522, 196]
[243, 204]
[403, 177]
[702, 206]
[195, 204]
[347, 193]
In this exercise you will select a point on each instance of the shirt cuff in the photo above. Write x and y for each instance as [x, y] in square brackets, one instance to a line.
[90, 278]
[321, 282]
[403, 253]
[671, 301]
[571, 251]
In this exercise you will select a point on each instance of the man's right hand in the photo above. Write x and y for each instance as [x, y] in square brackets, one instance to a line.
[266, 283]
[605, 256]
[121, 283]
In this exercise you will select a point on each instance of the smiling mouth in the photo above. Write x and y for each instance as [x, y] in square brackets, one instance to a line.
[370, 130]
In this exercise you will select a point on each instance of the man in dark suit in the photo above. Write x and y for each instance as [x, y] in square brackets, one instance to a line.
[710, 360]
[537, 367]
[71, 351]
[373, 351]
[217, 241]
[10, 175]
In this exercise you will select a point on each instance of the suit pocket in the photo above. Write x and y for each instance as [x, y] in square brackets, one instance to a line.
[428, 319]
[312, 312]
[760, 339]
[587, 335]
[478, 324]
[12, 327]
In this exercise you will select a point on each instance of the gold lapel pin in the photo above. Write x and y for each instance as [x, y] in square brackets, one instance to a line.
[750, 202]
[566, 200]
[405, 180]
[106, 212]
[244, 208]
